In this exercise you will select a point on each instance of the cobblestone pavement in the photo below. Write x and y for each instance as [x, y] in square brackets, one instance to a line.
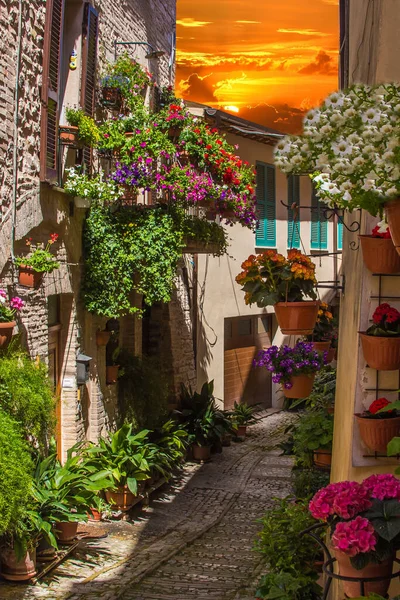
[195, 540]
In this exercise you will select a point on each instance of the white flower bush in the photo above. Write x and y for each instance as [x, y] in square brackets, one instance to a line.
[79, 184]
[350, 148]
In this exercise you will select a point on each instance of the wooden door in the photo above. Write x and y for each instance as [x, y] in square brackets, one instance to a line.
[244, 337]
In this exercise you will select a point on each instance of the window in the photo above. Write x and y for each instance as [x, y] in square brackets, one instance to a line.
[340, 235]
[293, 240]
[319, 225]
[265, 191]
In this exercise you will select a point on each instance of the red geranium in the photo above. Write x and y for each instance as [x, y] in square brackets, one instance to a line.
[381, 234]
[377, 405]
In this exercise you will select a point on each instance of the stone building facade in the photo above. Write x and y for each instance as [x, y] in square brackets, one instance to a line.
[53, 323]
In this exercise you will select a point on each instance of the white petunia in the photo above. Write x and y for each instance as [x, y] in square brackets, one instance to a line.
[371, 115]
[342, 147]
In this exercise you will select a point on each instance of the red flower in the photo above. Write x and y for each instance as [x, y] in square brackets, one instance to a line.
[377, 405]
[219, 142]
[53, 238]
[214, 130]
[392, 315]
[385, 235]
[209, 147]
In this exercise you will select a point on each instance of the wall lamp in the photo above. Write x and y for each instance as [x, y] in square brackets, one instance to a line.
[152, 53]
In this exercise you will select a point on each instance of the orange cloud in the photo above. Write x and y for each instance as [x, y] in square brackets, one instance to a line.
[323, 65]
[304, 32]
[189, 22]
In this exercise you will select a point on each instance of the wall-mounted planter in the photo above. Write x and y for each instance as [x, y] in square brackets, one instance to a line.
[199, 247]
[302, 386]
[6, 330]
[296, 318]
[381, 353]
[379, 255]
[68, 135]
[102, 337]
[28, 277]
[112, 97]
[321, 346]
[377, 433]
[112, 374]
[393, 218]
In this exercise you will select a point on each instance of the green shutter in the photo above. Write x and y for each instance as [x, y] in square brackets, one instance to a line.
[340, 236]
[265, 191]
[293, 225]
[319, 225]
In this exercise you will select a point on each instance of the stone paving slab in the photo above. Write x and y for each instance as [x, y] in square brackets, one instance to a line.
[194, 541]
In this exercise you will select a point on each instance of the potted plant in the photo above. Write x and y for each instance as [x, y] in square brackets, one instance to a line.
[124, 455]
[39, 261]
[313, 436]
[363, 529]
[379, 253]
[112, 370]
[8, 310]
[323, 392]
[378, 428]
[242, 417]
[124, 79]
[87, 131]
[322, 333]
[295, 368]
[288, 586]
[270, 279]
[349, 147]
[381, 341]
[102, 337]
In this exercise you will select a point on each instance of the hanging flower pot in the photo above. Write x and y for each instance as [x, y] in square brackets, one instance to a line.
[69, 135]
[14, 569]
[381, 353]
[6, 330]
[201, 453]
[296, 318]
[120, 499]
[174, 132]
[321, 346]
[112, 374]
[112, 97]
[322, 458]
[379, 254]
[377, 433]
[332, 355]
[66, 531]
[352, 589]
[393, 218]
[301, 386]
[102, 337]
[28, 277]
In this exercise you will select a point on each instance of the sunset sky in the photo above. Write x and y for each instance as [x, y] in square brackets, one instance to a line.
[267, 60]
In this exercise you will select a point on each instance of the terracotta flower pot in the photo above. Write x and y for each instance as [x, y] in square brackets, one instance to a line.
[13, 569]
[6, 330]
[94, 515]
[297, 318]
[241, 431]
[130, 196]
[352, 589]
[393, 219]
[174, 132]
[202, 453]
[379, 255]
[322, 458]
[28, 277]
[69, 135]
[302, 386]
[377, 433]
[381, 353]
[321, 346]
[102, 337]
[121, 499]
[112, 374]
[66, 531]
[332, 354]
[45, 552]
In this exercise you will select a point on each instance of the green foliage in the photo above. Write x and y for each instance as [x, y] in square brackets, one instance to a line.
[143, 392]
[280, 542]
[129, 77]
[88, 131]
[323, 392]
[243, 414]
[26, 395]
[15, 479]
[307, 482]
[208, 232]
[40, 259]
[126, 250]
[313, 431]
[285, 586]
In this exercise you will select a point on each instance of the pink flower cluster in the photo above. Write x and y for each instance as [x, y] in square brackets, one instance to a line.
[17, 303]
[353, 537]
[344, 499]
[382, 487]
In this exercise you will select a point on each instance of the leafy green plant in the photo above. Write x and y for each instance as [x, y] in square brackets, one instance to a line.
[124, 455]
[279, 540]
[170, 443]
[16, 474]
[323, 392]
[127, 75]
[243, 414]
[285, 586]
[306, 482]
[40, 258]
[208, 232]
[314, 431]
[88, 132]
[93, 188]
[26, 395]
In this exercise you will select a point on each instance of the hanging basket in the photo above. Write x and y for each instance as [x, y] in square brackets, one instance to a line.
[193, 246]
[322, 458]
[379, 255]
[121, 499]
[69, 135]
[6, 330]
[174, 132]
[393, 218]
[381, 353]
[352, 589]
[28, 277]
[302, 386]
[297, 318]
[377, 433]
[112, 97]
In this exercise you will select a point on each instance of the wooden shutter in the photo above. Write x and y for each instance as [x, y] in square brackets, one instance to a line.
[90, 32]
[265, 192]
[50, 90]
[293, 224]
[340, 235]
[319, 225]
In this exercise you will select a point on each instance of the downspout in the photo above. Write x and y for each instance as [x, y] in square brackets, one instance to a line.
[15, 136]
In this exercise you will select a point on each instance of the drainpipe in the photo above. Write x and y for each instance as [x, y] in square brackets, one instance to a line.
[15, 140]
